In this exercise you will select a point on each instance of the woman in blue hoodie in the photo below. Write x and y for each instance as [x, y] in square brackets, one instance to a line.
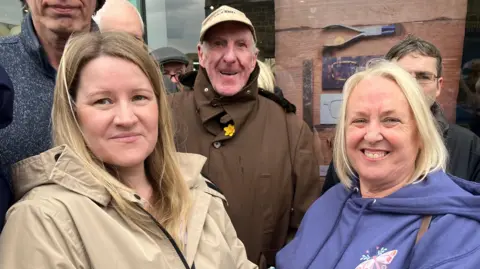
[396, 208]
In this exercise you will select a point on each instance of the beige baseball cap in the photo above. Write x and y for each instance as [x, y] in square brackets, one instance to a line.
[224, 14]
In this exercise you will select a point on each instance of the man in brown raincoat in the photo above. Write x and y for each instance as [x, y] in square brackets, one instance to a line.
[260, 154]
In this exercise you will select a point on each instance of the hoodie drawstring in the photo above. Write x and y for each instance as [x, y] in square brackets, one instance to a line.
[352, 234]
[337, 220]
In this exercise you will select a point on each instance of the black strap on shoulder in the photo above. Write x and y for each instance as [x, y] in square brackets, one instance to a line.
[211, 185]
[284, 103]
[214, 187]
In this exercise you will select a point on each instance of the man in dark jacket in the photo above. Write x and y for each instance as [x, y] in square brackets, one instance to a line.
[6, 114]
[31, 60]
[423, 60]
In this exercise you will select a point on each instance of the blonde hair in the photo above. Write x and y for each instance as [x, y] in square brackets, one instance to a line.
[266, 80]
[433, 154]
[170, 190]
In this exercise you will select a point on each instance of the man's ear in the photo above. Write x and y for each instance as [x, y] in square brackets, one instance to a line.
[201, 54]
[439, 87]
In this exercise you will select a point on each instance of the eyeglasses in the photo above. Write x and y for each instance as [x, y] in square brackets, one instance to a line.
[424, 78]
[174, 75]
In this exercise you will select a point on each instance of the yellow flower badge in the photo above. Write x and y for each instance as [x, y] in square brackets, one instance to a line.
[229, 130]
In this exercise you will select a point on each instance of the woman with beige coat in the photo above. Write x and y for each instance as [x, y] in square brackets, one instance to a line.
[113, 193]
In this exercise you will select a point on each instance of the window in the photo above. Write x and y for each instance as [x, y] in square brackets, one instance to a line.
[174, 23]
[11, 14]
[468, 98]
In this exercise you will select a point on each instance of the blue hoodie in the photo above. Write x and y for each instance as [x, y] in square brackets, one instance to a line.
[343, 230]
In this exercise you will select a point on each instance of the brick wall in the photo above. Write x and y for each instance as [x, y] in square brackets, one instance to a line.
[262, 15]
[299, 34]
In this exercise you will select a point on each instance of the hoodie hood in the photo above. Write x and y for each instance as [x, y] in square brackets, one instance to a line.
[438, 194]
[344, 230]
[63, 167]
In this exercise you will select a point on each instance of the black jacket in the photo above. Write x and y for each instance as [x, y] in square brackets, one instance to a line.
[6, 114]
[463, 149]
[6, 99]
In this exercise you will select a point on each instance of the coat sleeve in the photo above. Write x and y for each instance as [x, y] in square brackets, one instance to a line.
[306, 175]
[38, 237]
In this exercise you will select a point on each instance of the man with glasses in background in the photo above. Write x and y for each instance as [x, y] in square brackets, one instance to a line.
[174, 64]
[424, 61]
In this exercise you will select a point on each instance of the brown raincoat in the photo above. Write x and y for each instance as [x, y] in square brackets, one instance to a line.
[267, 169]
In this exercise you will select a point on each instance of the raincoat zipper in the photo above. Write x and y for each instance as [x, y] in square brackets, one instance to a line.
[170, 238]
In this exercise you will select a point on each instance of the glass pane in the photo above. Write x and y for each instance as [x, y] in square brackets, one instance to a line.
[134, 2]
[10, 17]
[174, 23]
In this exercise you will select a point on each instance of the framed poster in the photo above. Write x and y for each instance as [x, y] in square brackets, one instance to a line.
[330, 105]
[336, 70]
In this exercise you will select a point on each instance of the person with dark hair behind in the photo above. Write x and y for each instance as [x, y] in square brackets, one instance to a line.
[6, 115]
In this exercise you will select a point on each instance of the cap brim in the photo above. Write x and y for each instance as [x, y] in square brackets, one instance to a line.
[174, 61]
[211, 25]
